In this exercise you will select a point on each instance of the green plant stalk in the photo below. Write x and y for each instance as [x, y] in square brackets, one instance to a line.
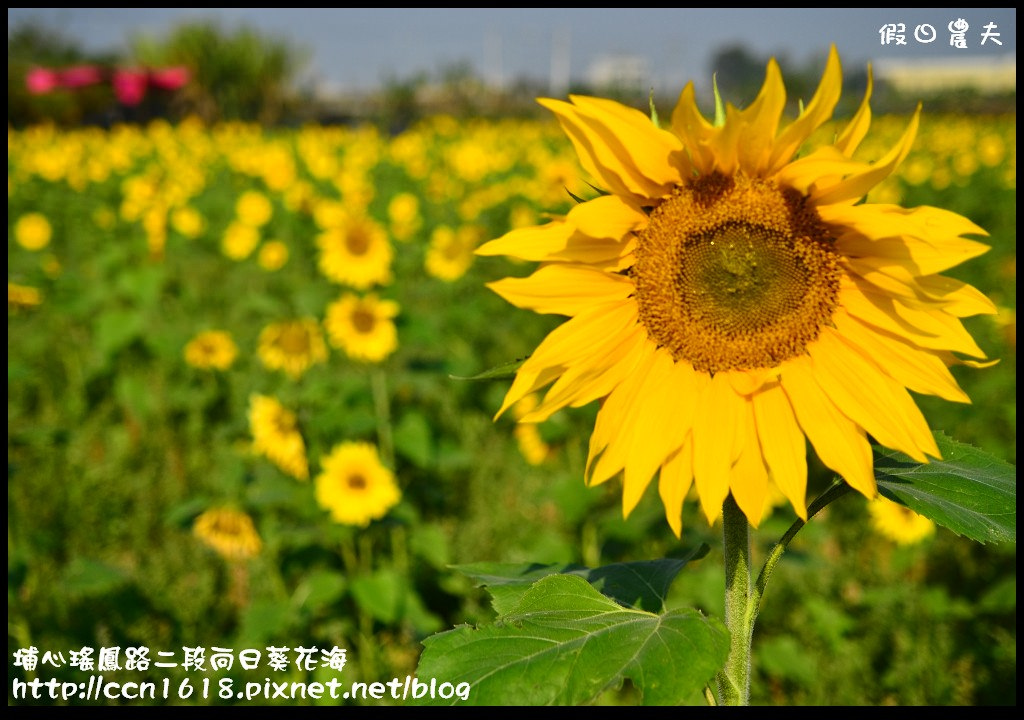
[734, 679]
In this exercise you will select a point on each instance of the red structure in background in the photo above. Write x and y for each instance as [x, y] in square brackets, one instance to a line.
[130, 84]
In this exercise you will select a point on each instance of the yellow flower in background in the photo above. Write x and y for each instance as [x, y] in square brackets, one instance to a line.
[231, 533]
[240, 240]
[528, 437]
[22, 296]
[730, 300]
[32, 231]
[187, 221]
[363, 326]
[898, 522]
[273, 255]
[356, 253]
[276, 436]
[253, 209]
[293, 346]
[404, 216]
[355, 486]
[451, 252]
[211, 350]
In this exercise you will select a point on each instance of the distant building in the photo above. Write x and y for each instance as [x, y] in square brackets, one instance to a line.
[619, 71]
[995, 74]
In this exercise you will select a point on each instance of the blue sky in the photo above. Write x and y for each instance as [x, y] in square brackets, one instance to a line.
[357, 48]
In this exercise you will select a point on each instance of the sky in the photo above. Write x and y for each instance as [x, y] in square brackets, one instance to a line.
[359, 48]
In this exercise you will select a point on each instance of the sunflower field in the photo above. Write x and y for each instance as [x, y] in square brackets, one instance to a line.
[250, 408]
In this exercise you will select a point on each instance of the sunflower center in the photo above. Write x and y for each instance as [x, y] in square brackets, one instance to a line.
[356, 481]
[363, 320]
[357, 240]
[294, 340]
[735, 274]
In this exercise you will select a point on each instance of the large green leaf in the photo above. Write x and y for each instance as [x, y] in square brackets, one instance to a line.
[565, 643]
[969, 491]
[636, 584]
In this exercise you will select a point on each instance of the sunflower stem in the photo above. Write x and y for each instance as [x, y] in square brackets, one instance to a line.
[734, 679]
[382, 409]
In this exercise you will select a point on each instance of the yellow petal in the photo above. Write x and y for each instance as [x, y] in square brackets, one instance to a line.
[563, 289]
[695, 131]
[607, 217]
[760, 121]
[605, 145]
[839, 442]
[856, 186]
[817, 112]
[594, 376]
[616, 422]
[674, 482]
[857, 128]
[783, 444]
[870, 398]
[918, 256]
[919, 370]
[824, 164]
[749, 483]
[564, 345]
[714, 428]
[531, 243]
[664, 418]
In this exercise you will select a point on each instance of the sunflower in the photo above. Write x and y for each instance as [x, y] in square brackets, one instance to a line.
[355, 486]
[273, 255]
[730, 298]
[22, 296]
[293, 346]
[211, 349]
[363, 327]
[33, 231]
[276, 436]
[898, 522]
[253, 209]
[450, 253]
[356, 252]
[239, 240]
[229, 532]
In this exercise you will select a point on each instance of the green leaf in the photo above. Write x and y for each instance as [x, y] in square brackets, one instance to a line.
[500, 372]
[566, 644]
[413, 439]
[321, 589]
[969, 491]
[636, 584]
[380, 595]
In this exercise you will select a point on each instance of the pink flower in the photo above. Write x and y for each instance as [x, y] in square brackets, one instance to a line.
[129, 86]
[171, 78]
[41, 80]
[81, 76]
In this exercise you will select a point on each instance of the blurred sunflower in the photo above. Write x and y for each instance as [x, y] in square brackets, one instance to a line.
[355, 486]
[450, 253]
[211, 349]
[273, 255]
[253, 209]
[293, 346]
[723, 291]
[363, 326]
[187, 221]
[276, 436]
[32, 231]
[356, 252]
[898, 522]
[231, 533]
[22, 296]
[240, 240]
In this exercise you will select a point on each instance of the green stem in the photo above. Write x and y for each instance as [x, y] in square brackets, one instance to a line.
[734, 679]
[382, 409]
[836, 491]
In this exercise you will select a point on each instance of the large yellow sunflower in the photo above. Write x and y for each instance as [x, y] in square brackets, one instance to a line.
[356, 252]
[730, 296]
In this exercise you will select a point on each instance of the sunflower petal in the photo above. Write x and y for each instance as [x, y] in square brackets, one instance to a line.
[713, 441]
[563, 289]
[749, 482]
[783, 444]
[817, 112]
[674, 482]
[838, 441]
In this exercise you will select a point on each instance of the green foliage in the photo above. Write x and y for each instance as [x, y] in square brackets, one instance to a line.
[968, 491]
[564, 643]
